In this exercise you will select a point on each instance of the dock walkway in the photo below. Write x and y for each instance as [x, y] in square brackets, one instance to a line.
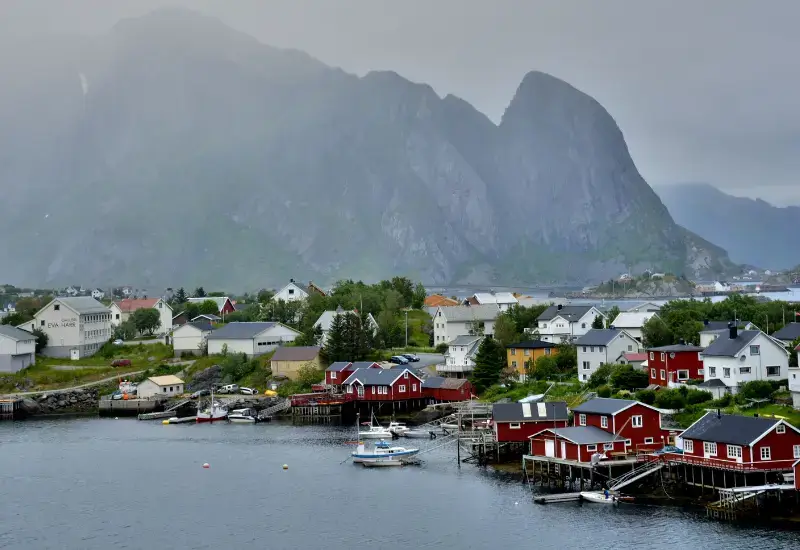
[558, 497]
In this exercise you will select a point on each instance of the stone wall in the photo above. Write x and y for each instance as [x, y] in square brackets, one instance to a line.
[73, 401]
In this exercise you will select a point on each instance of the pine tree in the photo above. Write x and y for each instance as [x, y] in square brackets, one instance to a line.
[489, 363]
[598, 322]
[335, 344]
[180, 296]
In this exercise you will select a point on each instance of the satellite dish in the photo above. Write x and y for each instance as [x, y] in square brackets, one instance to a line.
[742, 358]
[672, 355]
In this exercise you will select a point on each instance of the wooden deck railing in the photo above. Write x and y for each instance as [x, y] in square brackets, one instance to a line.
[721, 463]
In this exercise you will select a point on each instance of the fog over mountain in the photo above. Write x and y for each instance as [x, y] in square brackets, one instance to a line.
[175, 150]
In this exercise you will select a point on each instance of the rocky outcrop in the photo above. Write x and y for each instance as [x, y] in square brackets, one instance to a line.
[73, 401]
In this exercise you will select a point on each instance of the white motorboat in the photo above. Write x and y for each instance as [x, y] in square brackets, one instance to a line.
[374, 431]
[243, 416]
[383, 455]
[600, 497]
[215, 412]
[398, 428]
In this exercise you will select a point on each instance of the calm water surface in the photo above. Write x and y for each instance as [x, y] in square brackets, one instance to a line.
[97, 483]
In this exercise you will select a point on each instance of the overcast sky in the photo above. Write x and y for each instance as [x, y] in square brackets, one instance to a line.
[704, 90]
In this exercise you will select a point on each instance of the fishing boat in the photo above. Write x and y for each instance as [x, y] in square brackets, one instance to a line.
[398, 428]
[383, 455]
[374, 431]
[215, 412]
[243, 416]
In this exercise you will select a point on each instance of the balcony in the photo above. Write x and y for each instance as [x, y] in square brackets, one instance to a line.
[454, 368]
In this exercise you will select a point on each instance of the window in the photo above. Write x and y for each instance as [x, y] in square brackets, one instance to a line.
[591, 349]
[117, 316]
[526, 352]
[710, 448]
[663, 356]
[586, 365]
[401, 388]
[514, 425]
[683, 375]
[361, 391]
[773, 371]
[413, 387]
[726, 372]
[652, 356]
[582, 420]
[744, 370]
[734, 451]
[291, 291]
[712, 372]
[373, 390]
[583, 325]
[796, 451]
[513, 351]
[514, 364]
[42, 322]
[57, 307]
[349, 389]
[604, 422]
[688, 445]
[165, 390]
[628, 442]
[608, 446]
[630, 348]
[781, 429]
[333, 376]
[652, 373]
[648, 440]
[591, 448]
[755, 350]
[584, 349]
[405, 375]
[766, 453]
[547, 351]
[636, 421]
[663, 374]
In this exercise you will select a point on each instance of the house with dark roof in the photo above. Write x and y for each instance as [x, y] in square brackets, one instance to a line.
[560, 323]
[450, 322]
[638, 424]
[740, 356]
[734, 442]
[670, 366]
[579, 443]
[289, 360]
[517, 422]
[190, 338]
[383, 385]
[714, 329]
[788, 334]
[602, 347]
[520, 354]
[440, 389]
[459, 361]
[337, 372]
[252, 339]
[17, 349]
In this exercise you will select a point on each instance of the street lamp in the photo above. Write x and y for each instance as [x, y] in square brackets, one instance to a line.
[406, 312]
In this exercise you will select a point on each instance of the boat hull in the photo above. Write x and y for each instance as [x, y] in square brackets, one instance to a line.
[235, 420]
[375, 435]
[210, 419]
[597, 497]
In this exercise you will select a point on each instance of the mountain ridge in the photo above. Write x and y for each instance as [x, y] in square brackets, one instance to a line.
[193, 154]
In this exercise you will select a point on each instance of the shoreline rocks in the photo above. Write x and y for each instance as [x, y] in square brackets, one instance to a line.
[82, 400]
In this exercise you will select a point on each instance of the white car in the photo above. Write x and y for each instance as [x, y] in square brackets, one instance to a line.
[248, 391]
[118, 342]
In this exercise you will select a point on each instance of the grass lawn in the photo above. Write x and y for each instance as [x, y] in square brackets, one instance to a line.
[416, 321]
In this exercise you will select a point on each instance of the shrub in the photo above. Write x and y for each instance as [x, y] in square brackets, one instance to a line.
[724, 401]
[695, 397]
[648, 397]
[625, 377]
[600, 376]
[670, 399]
[604, 391]
[757, 389]
[441, 348]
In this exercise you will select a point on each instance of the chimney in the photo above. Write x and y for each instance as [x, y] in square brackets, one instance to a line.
[291, 280]
[559, 306]
[733, 331]
[612, 327]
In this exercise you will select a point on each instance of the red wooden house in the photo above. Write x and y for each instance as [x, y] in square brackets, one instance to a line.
[637, 423]
[382, 385]
[337, 373]
[676, 364]
[576, 443]
[736, 442]
[438, 389]
[518, 421]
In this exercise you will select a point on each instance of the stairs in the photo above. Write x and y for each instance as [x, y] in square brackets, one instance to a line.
[634, 475]
[281, 406]
[178, 405]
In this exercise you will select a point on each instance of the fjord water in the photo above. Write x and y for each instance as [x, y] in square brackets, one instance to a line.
[103, 483]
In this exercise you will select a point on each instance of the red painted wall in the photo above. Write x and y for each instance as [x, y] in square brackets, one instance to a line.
[797, 476]
[573, 451]
[504, 432]
[227, 308]
[781, 451]
[341, 376]
[684, 360]
[413, 390]
[623, 426]
[439, 394]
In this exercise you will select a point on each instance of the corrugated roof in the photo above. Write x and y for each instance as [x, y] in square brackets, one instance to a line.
[585, 435]
[677, 348]
[204, 326]
[632, 319]
[339, 366]
[598, 337]
[727, 347]
[521, 412]
[789, 332]
[16, 334]
[728, 428]
[532, 344]
[485, 298]
[376, 377]
[436, 300]
[167, 380]
[470, 313]
[630, 356]
[296, 353]
[721, 325]
[604, 405]
[570, 313]
[240, 331]
[364, 365]
[465, 340]
[440, 382]
[129, 305]
[84, 304]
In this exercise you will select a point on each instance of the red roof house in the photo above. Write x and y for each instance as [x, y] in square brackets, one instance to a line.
[674, 364]
[637, 423]
[517, 422]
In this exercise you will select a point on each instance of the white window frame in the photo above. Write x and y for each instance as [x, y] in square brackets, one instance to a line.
[413, 387]
[333, 376]
[360, 390]
[685, 377]
[586, 365]
[734, 451]
[648, 440]
[688, 445]
[796, 451]
[373, 390]
[757, 350]
[652, 355]
[637, 421]
[726, 372]
[604, 422]
[780, 429]
[608, 446]
[777, 370]
[663, 374]
[709, 448]
[653, 374]
[350, 388]
[405, 375]
[581, 420]
[663, 356]
[766, 453]
[401, 388]
[712, 372]
[745, 370]
[591, 448]
[514, 425]
[628, 442]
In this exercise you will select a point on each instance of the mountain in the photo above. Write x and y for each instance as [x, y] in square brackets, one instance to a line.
[177, 151]
[753, 231]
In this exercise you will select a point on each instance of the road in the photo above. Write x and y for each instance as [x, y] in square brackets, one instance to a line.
[79, 387]
[427, 362]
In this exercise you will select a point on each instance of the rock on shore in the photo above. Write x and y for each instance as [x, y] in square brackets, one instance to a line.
[73, 401]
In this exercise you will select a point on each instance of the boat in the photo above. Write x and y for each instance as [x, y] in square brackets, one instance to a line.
[181, 419]
[215, 412]
[383, 455]
[420, 434]
[243, 416]
[374, 431]
[600, 497]
[398, 428]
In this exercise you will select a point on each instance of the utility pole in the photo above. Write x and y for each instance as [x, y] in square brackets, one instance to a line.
[406, 328]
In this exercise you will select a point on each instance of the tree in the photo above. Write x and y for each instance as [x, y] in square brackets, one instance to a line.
[544, 368]
[670, 399]
[180, 297]
[405, 288]
[625, 377]
[418, 299]
[489, 363]
[792, 353]
[648, 397]
[41, 339]
[476, 328]
[566, 357]
[335, 345]
[505, 330]
[264, 296]
[756, 389]
[598, 322]
[125, 330]
[601, 375]
[199, 292]
[146, 320]
[308, 374]
[612, 314]
[310, 337]
[14, 319]
[208, 307]
[655, 333]
[526, 317]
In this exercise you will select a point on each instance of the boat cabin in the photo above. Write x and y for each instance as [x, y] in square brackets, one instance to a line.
[637, 423]
[516, 422]
[579, 443]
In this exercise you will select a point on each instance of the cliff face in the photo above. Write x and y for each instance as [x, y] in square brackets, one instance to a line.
[178, 151]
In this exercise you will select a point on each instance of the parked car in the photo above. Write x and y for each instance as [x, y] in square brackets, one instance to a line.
[199, 393]
[121, 363]
[248, 391]
[230, 388]
[118, 342]
[398, 360]
[411, 357]
[116, 395]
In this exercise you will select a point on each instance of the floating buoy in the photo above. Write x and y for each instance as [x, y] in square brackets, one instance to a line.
[206, 465]
[116, 418]
[165, 422]
[285, 466]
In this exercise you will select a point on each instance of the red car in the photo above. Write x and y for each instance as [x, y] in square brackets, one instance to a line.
[121, 363]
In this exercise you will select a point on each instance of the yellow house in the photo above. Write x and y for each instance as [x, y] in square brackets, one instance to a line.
[288, 360]
[518, 355]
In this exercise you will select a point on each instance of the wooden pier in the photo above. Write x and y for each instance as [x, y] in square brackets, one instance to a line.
[557, 498]
[9, 408]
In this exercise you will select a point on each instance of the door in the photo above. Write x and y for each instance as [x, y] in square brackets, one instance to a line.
[74, 354]
[563, 449]
[549, 448]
